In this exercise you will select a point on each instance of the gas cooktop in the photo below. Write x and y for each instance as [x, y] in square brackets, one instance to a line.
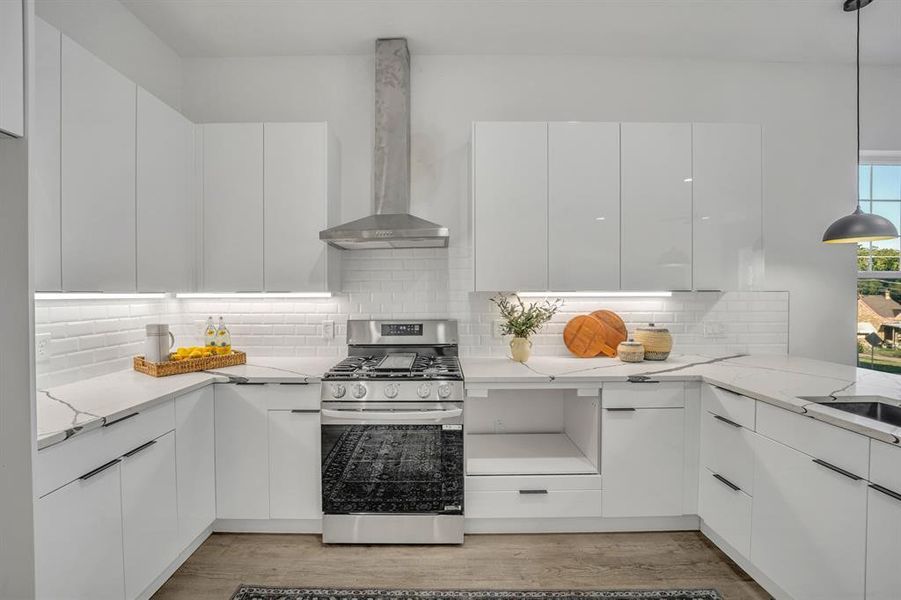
[398, 365]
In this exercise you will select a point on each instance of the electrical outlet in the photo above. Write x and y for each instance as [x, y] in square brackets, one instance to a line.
[714, 330]
[497, 329]
[328, 330]
[42, 347]
[499, 426]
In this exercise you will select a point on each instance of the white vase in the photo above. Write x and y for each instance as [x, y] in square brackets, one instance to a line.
[520, 349]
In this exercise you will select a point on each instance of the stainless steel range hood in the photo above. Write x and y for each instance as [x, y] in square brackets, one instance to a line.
[392, 225]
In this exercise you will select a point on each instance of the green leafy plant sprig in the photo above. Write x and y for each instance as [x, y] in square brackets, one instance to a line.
[522, 320]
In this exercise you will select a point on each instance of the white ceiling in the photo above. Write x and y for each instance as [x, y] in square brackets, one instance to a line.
[769, 30]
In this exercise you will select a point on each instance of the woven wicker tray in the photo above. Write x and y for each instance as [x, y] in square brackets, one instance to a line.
[188, 365]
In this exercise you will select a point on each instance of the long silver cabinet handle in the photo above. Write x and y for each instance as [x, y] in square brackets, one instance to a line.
[621, 409]
[886, 491]
[838, 470]
[726, 482]
[532, 492]
[117, 421]
[140, 448]
[100, 469]
[727, 421]
[304, 411]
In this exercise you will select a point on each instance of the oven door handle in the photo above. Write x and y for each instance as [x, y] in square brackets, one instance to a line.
[383, 415]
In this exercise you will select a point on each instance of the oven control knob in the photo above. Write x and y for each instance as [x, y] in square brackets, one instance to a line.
[338, 390]
[359, 390]
[424, 390]
[391, 390]
[444, 390]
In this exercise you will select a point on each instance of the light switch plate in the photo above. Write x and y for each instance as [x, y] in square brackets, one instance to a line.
[328, 330]
[714, 330]
[42, 348]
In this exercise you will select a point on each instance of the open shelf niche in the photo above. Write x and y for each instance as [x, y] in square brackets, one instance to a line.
[533, 432]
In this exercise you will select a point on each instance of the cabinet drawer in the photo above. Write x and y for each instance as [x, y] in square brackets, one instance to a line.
[728, 449]
[735, 407]
[662, 394]
[533, 503]
[280, 396]
[61, 463]
[726, 511]
[839, 447]
[514, 483]
[885, 465]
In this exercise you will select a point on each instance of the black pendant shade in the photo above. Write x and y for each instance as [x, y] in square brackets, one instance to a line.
[859, 226]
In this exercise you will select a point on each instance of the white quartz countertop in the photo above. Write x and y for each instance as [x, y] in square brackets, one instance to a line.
[777, 380]
[67, 410]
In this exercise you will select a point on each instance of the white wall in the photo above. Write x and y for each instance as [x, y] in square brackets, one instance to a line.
[113, 33]
[880, 107]
[806, 111]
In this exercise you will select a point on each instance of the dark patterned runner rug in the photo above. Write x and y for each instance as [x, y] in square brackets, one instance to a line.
[253, 592]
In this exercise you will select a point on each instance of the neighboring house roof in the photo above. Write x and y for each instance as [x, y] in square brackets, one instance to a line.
[882, 306]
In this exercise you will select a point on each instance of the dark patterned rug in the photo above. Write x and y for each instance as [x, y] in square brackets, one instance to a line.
[252, 592]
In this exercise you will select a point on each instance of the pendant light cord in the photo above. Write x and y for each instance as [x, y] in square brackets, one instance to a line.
[857, 65]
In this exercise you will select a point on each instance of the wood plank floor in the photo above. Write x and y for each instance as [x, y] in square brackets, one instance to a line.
[657, 560]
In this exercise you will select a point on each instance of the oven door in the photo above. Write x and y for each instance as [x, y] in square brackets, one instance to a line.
[392, 458]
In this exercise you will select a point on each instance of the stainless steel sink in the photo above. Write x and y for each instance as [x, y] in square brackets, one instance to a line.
[871, 407]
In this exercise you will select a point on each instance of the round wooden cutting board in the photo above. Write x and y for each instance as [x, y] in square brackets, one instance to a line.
[584, 336]
[615, 330]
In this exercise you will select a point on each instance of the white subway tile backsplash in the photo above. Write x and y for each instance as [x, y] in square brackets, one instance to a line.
[93, 337]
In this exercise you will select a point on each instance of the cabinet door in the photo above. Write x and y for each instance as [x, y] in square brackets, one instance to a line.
[98, 174]
[78, 539]
[642, 461]
[727, 235]
[883, 544]
[583, 206]
[296, 206]
[510, 216]
[808, 525]
[242, 453]
[45, 157]
[656, 206]
[165, 204]
[195, 462]
[233, 207]
[12, 68]
[294, 442]
[149, 512]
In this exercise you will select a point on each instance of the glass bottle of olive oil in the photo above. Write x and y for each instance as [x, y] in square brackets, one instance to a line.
[223, 341]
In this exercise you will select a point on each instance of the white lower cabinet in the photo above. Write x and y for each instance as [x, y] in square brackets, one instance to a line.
[808, 525]
[149, 512]
[726, 510]
[884, 522]
[242, 453]
[294, 488]
[78, 535]
[195, 461]
[642, 461]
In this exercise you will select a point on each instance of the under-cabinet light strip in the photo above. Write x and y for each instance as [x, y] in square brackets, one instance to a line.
[595, 294]
[262, 295]
[96, 296]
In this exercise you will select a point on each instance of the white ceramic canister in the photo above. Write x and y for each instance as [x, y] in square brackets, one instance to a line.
[159, 342]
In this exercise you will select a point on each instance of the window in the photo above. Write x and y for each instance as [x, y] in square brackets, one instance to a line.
[879, 269]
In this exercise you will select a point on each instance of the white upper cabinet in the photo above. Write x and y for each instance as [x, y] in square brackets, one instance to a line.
[728, 237]
[510, 194]
[656, 206]
[98, 174]
[233, 207]
[165, 202]
[45, 160]
[12, 68]
[583, 206]
[296, 208]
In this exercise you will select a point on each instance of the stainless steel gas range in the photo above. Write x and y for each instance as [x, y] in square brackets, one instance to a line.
[392, 436]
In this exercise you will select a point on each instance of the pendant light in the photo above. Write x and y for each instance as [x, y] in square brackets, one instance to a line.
[859, 226]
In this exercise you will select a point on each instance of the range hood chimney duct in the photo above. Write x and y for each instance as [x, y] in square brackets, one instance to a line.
[391, 225]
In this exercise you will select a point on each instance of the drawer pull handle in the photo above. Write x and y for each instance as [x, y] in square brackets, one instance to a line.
[727, 421]
[838, 470]
[294, 383]
[886, 491]
[305, 411]
[621, 409]
[726, 482]
[131, 453]
[100, 469]
[528, 492]
[117, 421]
[641, 379]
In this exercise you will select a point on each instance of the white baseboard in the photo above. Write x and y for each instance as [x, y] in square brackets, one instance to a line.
[268, 526]
[175, 564]
[745, 563]
[582, 525]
